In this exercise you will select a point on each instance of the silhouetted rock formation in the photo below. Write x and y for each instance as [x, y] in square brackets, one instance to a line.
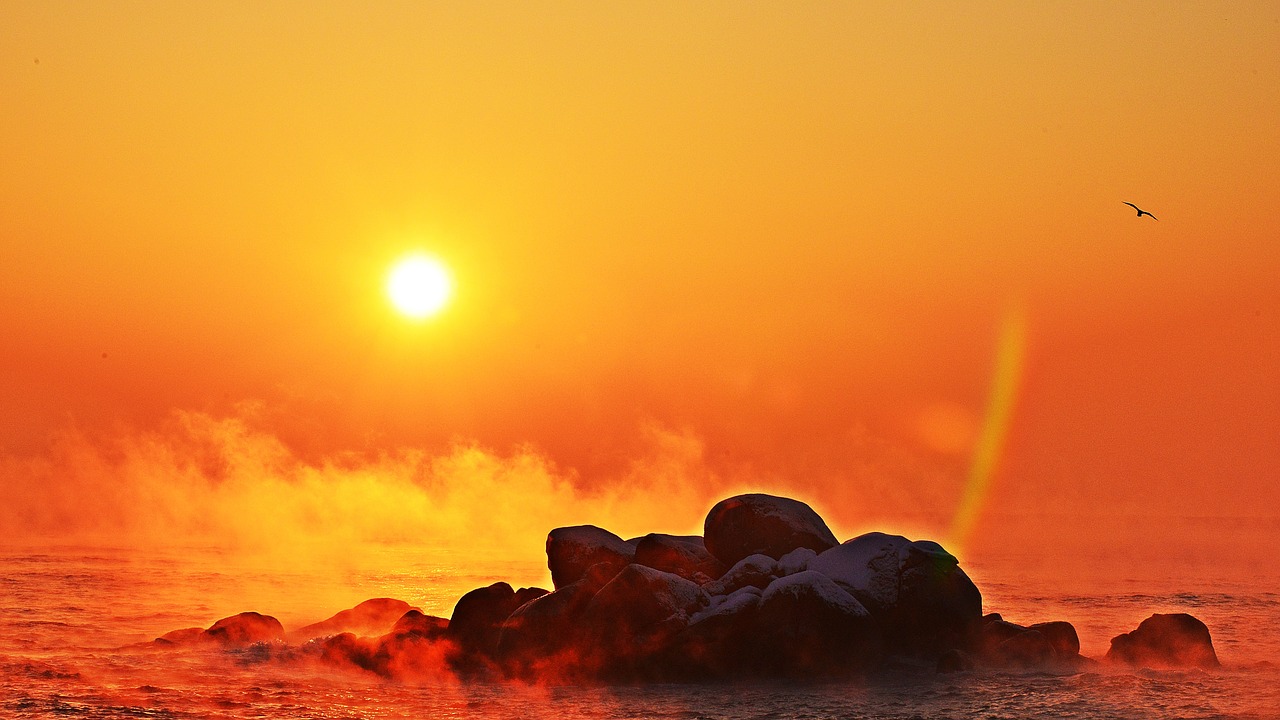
[757, 523]
[371, 617]
[769, 593]
[1047, 645]
[572, 550]
[476, 624]
[245, 628]
[1177, 640]
[683, 555]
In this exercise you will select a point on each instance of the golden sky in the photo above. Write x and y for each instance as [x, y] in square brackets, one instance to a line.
[768, 245]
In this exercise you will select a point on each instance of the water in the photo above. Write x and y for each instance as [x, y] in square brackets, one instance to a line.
[66, 615]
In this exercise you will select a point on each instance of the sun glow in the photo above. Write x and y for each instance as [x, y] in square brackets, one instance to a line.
[419, 286]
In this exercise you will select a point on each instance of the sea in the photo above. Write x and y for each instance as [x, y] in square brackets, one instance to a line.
[74, 621]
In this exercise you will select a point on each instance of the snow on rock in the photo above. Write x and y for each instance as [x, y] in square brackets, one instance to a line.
[757, 523]
[868, 566]
[572, 550]
[795, 561]
[635, 616]
[754, 570]
[809, 626]
[917, 590]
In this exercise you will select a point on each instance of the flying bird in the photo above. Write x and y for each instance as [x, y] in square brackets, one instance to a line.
[1141, 212]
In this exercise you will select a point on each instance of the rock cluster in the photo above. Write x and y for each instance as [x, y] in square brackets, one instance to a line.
[766, 592]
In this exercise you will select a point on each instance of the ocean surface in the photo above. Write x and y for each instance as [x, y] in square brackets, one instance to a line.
[68, 615]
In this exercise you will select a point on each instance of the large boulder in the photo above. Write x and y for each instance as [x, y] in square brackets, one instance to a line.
[572, 550]
[1045, 645]
[634, 618]
[1027, 650]
[683, 555]
[541, 639]
[415, 648]
[939, 607]
[916, 590]
[245, 628]
[721, 640]
[1061, 635]
[478, 616]
[418, 624]
[808, 626]
[757, 523]
[345, 649]
[371, 617]
[1176, 640]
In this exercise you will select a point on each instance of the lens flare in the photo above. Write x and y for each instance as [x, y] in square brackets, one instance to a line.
[995, 426]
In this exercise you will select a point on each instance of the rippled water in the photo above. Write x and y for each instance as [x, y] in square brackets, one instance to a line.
[66, 615]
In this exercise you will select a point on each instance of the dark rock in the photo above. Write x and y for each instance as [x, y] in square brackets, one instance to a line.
[1061, 635]
[634, 618]
[953, 661]
[683, 555]
[757, 523]
[572, 550]
[1027, 649]
[721, 641]
[1176, 640]
[346, 649]
[371, 617]
[416, 623]
[916, 590]
[478, 615]
[185, 636]
[939, 607]
[476, 625]
[245, 628]
[993, 632]
[808, 626]
[540, 639]
[417, 648]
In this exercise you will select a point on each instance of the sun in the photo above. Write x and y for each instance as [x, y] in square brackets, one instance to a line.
[419, 286]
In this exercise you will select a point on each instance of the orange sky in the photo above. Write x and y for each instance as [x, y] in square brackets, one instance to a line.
[776, 243]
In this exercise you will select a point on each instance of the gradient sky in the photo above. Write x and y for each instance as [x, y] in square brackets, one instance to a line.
[771, 246]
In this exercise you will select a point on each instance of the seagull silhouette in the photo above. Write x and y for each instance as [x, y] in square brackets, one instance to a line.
[1141, 212]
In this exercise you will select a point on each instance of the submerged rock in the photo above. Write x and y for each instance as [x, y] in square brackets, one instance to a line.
[1175, 640]
[757, 523]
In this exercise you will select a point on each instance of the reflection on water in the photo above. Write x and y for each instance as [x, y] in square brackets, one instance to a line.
[66, 613]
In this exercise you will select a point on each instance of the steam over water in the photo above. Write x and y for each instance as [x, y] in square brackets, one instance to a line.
[66, 615]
